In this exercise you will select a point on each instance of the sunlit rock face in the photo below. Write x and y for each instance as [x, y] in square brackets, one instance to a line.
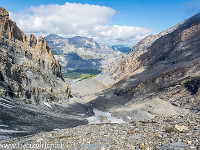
[28, 69]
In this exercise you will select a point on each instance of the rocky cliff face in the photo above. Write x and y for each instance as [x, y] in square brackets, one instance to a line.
[160, 72]
[28, 69]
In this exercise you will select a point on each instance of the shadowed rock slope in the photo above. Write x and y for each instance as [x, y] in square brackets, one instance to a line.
[162, 73]
[28, 69]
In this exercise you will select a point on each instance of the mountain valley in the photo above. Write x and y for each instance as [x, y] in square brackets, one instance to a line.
[81, 54]
[147, 98]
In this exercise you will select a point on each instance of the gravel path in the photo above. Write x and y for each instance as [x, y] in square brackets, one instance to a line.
[174, 133]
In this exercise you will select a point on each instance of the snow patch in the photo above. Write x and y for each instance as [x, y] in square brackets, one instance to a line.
[2, 125]
[97, 117]
[47, 104]
[56, 129]
[10, 131]
[6, 105]
[81, 114]
[2, 99]
[129, 117]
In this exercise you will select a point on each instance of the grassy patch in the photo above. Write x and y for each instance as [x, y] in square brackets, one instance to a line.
[81, 74]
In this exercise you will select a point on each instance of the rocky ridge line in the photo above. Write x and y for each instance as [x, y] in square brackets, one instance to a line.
[28, 68]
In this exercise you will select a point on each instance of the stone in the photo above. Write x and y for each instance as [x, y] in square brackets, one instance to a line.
[177, 128]
[158, 135]
[103, 148]
[189, 142]
[177, 145]
[181, 128]
[142, 145]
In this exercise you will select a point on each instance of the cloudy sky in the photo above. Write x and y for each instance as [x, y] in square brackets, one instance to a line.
[107, 21]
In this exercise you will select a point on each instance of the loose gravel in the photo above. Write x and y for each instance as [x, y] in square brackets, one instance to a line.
[168, 133]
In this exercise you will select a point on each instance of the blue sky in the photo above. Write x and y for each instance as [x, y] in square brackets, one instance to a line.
[120, 22]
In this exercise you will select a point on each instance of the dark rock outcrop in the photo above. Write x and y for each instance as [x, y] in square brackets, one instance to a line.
[28, 69]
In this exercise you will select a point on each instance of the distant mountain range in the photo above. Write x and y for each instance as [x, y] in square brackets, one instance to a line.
[82, 52]
[158, 77]
[121, 48]
[62, 45]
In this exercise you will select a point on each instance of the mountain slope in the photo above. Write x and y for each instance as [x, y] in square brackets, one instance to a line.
[159, 75]
[121, 48]
[28, 69]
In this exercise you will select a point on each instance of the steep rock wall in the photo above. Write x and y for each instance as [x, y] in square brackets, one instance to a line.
[28, 69]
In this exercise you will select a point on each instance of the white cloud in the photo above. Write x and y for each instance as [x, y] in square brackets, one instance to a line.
[121, 33]
[73, 19]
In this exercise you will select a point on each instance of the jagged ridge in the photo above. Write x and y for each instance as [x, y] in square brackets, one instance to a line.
[28, 69]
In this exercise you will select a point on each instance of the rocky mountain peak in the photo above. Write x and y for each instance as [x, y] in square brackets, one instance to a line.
[84, 42]
[4, 13]
[28, 68]
[32, 40]
[53, 36]
[9, 28]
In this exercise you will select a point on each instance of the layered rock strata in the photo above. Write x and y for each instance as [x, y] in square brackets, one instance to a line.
[28, 69]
